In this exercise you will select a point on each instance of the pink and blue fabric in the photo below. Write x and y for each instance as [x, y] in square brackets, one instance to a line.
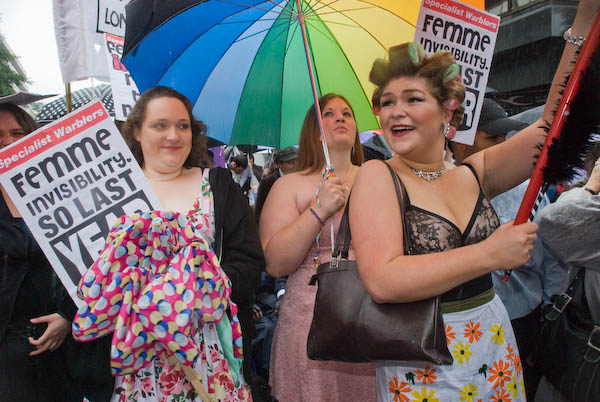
[153, 280]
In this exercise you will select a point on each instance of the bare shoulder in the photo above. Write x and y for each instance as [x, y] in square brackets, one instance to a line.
[296, 182]
[371, 169]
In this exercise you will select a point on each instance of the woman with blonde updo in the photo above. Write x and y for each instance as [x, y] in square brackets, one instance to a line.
[453, 232]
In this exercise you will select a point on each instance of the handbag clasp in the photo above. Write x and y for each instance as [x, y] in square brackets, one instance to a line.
[594, 341]
[559, 305]
[593, 354]
[334, 262]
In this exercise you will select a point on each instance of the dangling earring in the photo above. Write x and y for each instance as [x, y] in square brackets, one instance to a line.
[446, 130]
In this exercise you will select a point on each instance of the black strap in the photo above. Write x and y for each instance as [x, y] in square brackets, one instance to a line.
[344, 237]
[562, 300]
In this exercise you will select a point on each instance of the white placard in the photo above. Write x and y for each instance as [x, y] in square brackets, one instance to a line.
[470, 35]
[125, 92]
[71, 180]
[111, 17]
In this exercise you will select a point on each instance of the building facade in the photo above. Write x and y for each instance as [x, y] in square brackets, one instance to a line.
[528, 49]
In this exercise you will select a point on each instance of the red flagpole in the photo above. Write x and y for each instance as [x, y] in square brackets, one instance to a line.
[562, 113]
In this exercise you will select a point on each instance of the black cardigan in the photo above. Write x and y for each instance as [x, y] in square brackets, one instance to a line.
[236, 237]
[29, 287]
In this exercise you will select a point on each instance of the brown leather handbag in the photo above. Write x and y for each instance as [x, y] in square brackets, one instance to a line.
[349, 326]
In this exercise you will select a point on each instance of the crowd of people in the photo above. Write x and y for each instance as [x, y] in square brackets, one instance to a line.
[252, 236]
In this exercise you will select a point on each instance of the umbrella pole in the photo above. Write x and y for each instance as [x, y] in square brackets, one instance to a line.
[68, 97]
[314, 86]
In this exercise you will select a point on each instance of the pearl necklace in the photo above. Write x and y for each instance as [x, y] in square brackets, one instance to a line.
[428, 175]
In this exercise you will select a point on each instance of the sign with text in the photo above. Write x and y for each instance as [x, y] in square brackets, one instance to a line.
[470, 35]
[125, 92]
[70, 181]
[111, 17]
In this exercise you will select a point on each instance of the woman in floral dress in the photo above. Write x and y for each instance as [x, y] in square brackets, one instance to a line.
[170, 296]
[454, 234]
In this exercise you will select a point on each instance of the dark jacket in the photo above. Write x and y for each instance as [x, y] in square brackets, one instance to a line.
[239, 251]
[29, 287]
[236, 237]
[264, 187]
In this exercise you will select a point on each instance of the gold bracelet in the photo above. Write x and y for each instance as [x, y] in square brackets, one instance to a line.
[570, 38]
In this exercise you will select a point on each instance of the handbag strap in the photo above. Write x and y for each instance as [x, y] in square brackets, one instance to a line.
[563, 299]
[344, 237]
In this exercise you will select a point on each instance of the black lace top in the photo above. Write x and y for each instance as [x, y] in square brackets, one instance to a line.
[429, 233]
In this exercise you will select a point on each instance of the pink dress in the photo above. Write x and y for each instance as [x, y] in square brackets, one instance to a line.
[293, 376]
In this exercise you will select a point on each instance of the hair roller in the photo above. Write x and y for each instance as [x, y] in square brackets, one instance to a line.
[451, 73]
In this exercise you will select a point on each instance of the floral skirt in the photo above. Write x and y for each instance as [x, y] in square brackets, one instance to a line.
[486, 368]
[164, 381]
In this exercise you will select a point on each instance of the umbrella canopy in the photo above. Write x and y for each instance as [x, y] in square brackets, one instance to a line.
[23, 98]
[58, 108]
[243, 66]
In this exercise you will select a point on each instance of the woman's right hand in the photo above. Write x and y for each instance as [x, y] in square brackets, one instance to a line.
[510, 245]
[332, 196]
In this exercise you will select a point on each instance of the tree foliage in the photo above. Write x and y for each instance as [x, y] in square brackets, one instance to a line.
[8, 75]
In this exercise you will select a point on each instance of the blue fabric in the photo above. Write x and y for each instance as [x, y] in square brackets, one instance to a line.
[224, 87]
[539, 278]
[197, 21]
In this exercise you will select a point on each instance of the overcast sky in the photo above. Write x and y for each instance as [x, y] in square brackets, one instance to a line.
[28, 28]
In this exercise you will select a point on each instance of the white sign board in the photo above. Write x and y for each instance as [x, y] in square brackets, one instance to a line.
[124, 90]
[111, 17]
[470, 35]
[70, 181]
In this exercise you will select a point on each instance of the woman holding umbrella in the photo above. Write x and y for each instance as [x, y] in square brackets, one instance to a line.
[454, 234]
[290, 221]
[170, 146]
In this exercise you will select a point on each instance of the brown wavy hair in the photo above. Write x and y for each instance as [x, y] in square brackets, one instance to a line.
[21, 116]
[310, 152]
[197, 156]
[433, 69]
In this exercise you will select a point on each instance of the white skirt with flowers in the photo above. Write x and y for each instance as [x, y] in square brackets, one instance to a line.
[486, 368]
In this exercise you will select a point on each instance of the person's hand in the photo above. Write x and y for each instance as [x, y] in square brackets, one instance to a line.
[593, 182]
[332, 197]
[257, 313]
[53, 336]
[510, 245]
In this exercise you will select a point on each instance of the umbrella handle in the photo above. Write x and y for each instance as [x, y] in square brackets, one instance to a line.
[193, 378]
[313, 85]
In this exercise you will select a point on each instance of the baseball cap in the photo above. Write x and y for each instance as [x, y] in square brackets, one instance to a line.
[285, 154]
[493, 119]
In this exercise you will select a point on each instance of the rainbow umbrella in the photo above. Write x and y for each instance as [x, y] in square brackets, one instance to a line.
[243, 63]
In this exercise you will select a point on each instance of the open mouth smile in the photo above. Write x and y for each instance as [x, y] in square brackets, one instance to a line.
[401, 130]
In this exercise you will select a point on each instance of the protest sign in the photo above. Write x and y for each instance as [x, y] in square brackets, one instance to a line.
[470, 35]
[70, 181]
[125, 92]
[111, 17]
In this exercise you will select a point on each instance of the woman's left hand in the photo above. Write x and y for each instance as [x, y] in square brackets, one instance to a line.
[53, 336]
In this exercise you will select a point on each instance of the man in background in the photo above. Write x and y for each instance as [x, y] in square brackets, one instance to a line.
[531, 285]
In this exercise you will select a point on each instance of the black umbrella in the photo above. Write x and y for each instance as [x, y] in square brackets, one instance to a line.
[58, 108]
[23, 98]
